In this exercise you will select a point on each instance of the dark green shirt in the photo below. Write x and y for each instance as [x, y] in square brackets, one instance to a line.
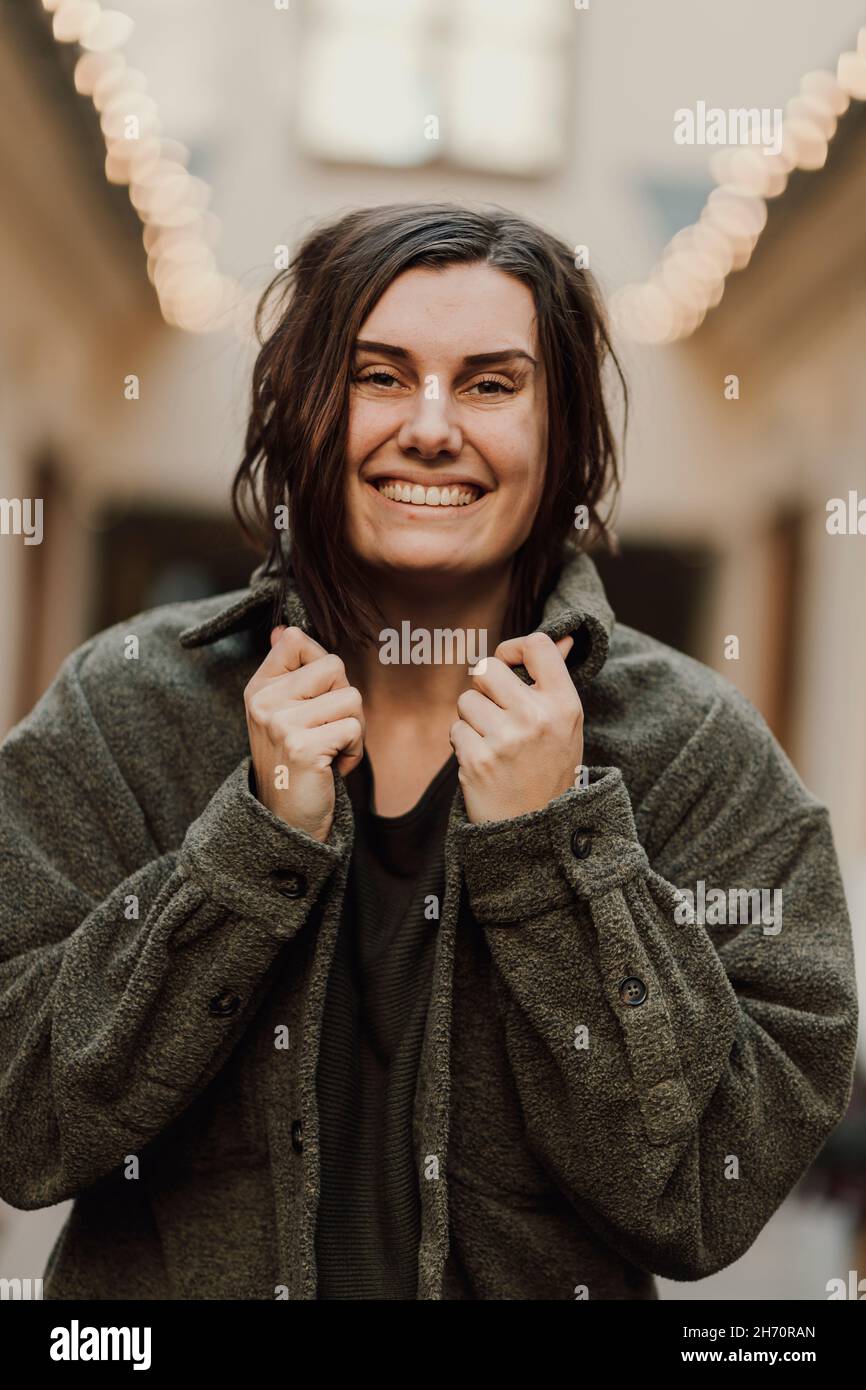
[369, 1220]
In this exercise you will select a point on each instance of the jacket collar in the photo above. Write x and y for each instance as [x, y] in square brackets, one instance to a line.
[577, 605]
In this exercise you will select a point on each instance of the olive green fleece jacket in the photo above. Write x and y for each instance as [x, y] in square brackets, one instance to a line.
[607, 1091]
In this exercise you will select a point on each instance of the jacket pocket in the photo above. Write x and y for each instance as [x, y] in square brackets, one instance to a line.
[224, 1126]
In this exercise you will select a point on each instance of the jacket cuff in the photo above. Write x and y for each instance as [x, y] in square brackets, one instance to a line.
[587, 835]
[243, 856]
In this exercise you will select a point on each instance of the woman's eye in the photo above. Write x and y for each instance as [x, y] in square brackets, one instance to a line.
[381, 378]
[487, 386]
[492, 386]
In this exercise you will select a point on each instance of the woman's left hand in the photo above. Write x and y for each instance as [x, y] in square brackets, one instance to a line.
[518, 745]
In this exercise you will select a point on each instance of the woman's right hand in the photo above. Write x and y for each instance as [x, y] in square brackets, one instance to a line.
[302, 717]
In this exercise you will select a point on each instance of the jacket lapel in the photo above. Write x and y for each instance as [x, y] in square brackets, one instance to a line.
[577, 605]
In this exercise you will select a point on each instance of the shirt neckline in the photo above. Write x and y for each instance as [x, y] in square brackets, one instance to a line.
[422, 805]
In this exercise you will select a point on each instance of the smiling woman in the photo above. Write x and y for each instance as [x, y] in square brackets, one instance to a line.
[374, 970]
[453, 333]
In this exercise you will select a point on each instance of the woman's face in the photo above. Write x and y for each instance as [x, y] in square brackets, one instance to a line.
[446, 453]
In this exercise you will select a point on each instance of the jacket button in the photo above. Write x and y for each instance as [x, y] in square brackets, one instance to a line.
[289, 883]
[581, 844]
[632, 991]
[224, 1005]
[297, 1136]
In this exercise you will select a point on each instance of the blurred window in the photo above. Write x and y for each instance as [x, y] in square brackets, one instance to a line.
[379, 74]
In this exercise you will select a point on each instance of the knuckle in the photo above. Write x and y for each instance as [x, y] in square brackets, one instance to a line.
[253, 704]
[292, 741]
[531, 715]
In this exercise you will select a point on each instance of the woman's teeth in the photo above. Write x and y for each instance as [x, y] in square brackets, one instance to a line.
[454, 496]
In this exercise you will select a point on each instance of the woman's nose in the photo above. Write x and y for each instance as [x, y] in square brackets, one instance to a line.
[430, 427]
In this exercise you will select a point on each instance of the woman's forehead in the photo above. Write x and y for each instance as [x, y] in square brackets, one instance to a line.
[454, 308]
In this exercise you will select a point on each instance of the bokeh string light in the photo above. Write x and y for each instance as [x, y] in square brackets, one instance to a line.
[689, 280]
[181, 233]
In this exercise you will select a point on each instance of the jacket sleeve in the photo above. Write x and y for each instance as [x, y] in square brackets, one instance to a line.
[126, 975]
[676, 1076]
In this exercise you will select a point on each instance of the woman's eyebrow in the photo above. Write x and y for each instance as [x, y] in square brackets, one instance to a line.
[474, 359]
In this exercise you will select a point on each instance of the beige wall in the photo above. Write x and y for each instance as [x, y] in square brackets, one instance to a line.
[793, 326]
[71, 296]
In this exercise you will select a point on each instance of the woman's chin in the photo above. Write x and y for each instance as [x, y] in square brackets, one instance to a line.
[420, 559]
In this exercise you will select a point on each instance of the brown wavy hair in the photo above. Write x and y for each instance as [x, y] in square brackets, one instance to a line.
[294, 454]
